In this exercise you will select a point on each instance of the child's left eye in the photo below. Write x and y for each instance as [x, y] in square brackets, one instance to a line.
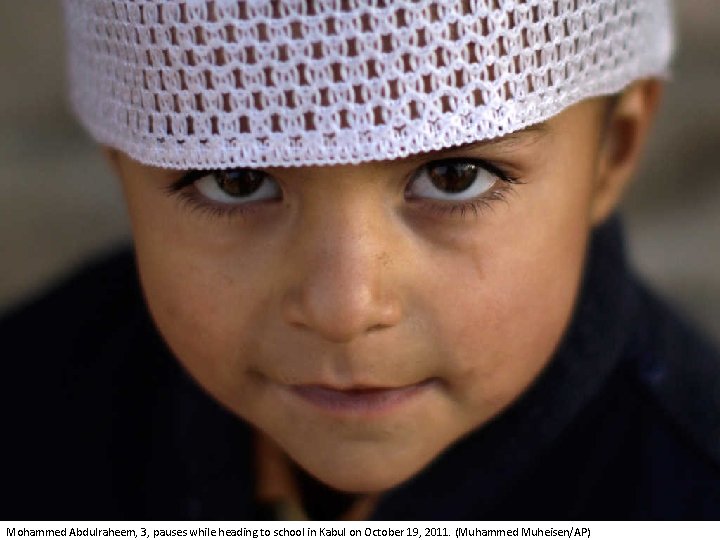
[452, 180]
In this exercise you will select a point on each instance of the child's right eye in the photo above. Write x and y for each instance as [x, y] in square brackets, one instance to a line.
[237, 186]
[226, 191]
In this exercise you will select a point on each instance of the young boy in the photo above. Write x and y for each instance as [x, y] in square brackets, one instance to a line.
[380, 272]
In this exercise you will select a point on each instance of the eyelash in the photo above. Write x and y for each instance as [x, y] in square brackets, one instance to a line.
[497, 193]
[503, 187]
[191, 200]
[485, 202]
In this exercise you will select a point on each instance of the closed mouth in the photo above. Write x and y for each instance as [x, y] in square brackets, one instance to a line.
[359, 399]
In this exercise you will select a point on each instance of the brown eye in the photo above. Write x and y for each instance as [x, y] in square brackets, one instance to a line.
[239, 182]
[237, 186]
[453, 176]
[451, 180]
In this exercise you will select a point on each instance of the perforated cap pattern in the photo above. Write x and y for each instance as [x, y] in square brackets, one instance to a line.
[227, 83]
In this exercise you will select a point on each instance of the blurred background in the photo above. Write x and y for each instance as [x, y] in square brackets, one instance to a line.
[59, 203]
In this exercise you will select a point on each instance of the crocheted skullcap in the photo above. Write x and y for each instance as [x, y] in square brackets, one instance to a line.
[205, 84]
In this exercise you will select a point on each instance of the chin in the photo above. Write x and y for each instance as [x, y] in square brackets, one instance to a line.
[360, 482]
[363, 474]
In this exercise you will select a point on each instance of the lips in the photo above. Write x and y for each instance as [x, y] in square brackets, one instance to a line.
[359, 400]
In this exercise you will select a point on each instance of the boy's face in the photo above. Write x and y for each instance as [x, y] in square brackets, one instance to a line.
[366, 317]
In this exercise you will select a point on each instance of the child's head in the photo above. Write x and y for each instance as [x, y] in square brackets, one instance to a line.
[370, 228]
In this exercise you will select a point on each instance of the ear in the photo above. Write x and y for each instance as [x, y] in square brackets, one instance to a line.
[627, 128]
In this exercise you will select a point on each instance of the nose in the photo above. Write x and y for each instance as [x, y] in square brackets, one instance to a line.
[343, 283]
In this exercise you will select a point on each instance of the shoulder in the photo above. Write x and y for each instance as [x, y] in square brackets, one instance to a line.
[64, 333]
[676, 372]
[679, 367]
[68, 354]
[647, 445]
[72, 311]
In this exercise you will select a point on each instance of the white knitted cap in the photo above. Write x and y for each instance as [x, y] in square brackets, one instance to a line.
[206, 84]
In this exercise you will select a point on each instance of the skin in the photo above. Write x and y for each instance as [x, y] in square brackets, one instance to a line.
[348, 283]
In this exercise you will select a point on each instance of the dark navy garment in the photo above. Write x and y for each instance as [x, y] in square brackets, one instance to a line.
[100, 422]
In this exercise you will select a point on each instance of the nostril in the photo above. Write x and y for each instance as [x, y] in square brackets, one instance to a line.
[378, 327]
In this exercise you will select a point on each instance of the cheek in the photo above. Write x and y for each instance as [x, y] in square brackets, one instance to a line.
[511, 297]
[207, 301]
[202, 283]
